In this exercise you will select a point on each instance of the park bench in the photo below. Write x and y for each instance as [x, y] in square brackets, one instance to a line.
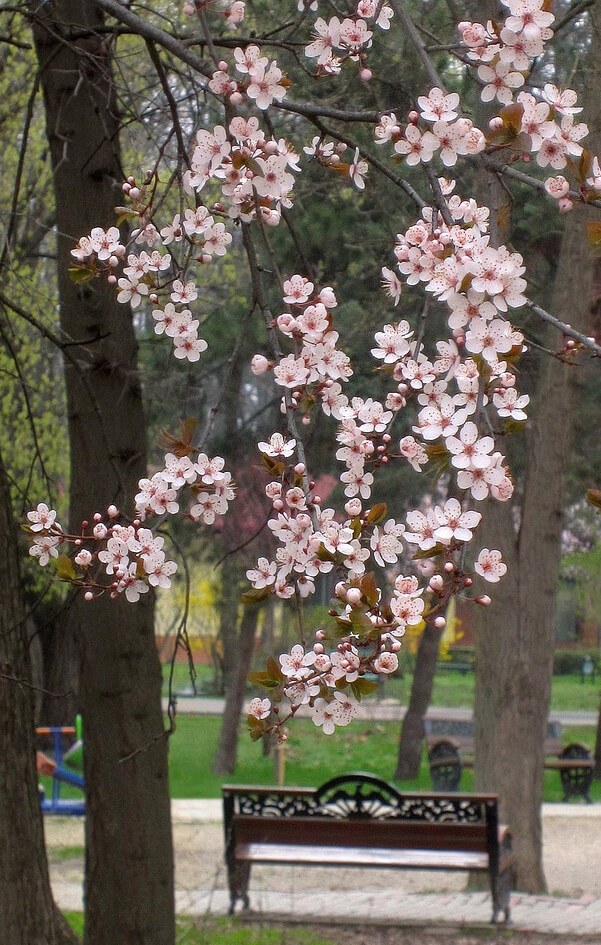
[360, 820]
[450, 745]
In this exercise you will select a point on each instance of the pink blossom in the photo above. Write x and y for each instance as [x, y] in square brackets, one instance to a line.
[490, 566]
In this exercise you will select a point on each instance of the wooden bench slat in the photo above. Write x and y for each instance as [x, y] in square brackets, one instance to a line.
[385, 833]
[360, 856]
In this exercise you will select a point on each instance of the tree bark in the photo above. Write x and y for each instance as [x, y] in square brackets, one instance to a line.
[225, 759]
[514, 658]
[28, 915]
[412, 731]
[515, 641]
[129, 863]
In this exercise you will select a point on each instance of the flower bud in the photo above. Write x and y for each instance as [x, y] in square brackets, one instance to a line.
[440, 623]
[259, 365]
[353, 596]
[353, 507]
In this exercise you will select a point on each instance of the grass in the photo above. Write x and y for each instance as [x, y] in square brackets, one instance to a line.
[226, 932]
[568, 693]
[311, 757]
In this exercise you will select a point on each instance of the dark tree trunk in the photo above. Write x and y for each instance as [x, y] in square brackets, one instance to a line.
[28, 915]
[515, 643]
[412, 731]
[225, 759]
[129, 863]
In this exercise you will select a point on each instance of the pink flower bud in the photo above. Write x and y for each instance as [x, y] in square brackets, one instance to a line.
[112, 511]
[236, 98]
[565, 205]
[112, 280]
[484, 600]
[88, 595]
[222, 65]
[353, 596]
[259, 365]
[353, 507]
[449, 567]
[436, 582]
[366, 74]
[439, 623]
[299, 469]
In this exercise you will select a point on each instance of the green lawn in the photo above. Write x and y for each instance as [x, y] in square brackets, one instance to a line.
[230, 931]
[450, 689]
[311, 757]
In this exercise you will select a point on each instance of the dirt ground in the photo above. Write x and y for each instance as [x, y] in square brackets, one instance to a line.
[571, 853]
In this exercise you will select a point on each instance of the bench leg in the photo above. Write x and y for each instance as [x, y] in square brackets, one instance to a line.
[238, 876]
[501, 887]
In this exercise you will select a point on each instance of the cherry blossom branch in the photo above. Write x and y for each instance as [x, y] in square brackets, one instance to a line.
[414, 36]
[177, 128]
[156, 35]
[259, 296]
[565, 328]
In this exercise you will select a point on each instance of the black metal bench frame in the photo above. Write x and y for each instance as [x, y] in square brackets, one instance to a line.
[359, 820]
[447, 757]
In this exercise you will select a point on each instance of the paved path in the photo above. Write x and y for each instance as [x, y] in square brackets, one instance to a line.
[388, 710]
[371, 903]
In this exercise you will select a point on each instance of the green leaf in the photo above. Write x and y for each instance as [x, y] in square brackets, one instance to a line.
[263, 679]
[64, 568]
[376, 514]
[430, 553]
[255, 595]
[369, 588]
[81, 276]
[363, 687]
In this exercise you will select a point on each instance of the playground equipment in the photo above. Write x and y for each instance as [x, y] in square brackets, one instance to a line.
[63, 769]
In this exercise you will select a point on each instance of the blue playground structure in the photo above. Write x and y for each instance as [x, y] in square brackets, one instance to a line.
[58, 768]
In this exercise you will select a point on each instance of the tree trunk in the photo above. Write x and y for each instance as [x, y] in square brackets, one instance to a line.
[225, 759]
[515, 641]
[412, 731]
[129, 862]
[514, 658]
[28, 915]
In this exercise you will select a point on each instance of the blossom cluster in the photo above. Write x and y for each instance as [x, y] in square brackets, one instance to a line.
[446, 403]
[338, 41]
[211, 486]
[233, 11]
[110, 557]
